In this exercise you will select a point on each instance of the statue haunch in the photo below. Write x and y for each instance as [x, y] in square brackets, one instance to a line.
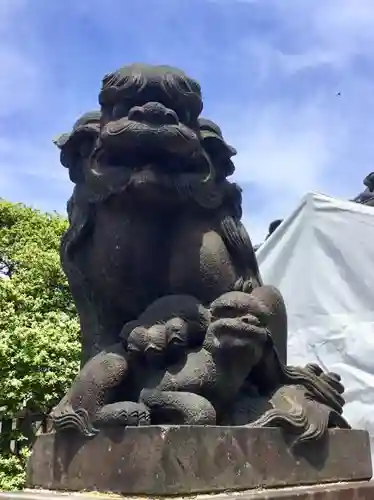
[176, 324]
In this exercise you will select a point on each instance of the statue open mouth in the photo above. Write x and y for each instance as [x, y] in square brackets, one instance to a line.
[146, 172]
[124, 135]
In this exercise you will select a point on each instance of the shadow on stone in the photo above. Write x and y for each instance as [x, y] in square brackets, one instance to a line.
[315, 453]
[65, 449]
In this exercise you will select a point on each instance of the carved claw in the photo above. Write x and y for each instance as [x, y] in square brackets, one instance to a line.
[123, 414]
[74, 420]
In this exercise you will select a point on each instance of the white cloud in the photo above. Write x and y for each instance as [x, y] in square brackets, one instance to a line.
[9, 11]
[31, 174]
[20, 81]
[345, 26]
[289, 147]
[20, 74]
[285, 149]
[333, 31]
[29, 170]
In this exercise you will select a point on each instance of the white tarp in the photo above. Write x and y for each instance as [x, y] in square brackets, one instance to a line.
[322, 260]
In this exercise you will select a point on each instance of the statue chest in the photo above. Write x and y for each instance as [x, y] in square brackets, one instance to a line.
[127, 259]
[138, 259]
[200, 263]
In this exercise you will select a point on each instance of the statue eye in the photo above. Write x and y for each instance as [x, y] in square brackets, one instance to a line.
[186, 117]
[120, 110]
[86, 148]
[132, 348]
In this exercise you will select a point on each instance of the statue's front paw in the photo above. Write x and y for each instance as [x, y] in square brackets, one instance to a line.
[68, 419]
[123, 413]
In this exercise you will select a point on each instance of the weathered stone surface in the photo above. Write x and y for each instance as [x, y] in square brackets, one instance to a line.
[336, 491]
[174, 460]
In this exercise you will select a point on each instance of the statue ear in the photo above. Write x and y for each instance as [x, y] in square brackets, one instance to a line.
[108, 96]
[219, 151]
[68, 159]
[72, 160]
[60, 140]
[74, 149]
[369, 181]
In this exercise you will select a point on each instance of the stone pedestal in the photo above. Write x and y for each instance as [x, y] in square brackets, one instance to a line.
[174, 460]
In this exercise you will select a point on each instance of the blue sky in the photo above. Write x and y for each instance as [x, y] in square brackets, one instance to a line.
[270, 71]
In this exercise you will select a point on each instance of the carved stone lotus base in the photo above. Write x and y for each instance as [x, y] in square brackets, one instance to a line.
[174, 460]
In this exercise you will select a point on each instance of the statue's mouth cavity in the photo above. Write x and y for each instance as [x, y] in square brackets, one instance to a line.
[140, 159]
[145, 171]
[125, 135]
[151, 126]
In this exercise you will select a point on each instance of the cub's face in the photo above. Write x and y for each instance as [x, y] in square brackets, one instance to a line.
[177, 338]
[148, 344]
[159, 343]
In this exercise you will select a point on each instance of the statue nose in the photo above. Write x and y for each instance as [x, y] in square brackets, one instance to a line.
[153, 350]
[154, 113]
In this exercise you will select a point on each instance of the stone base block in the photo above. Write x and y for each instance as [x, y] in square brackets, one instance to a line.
[180, 460]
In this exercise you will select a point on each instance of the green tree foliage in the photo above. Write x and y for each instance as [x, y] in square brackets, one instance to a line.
[39, 340]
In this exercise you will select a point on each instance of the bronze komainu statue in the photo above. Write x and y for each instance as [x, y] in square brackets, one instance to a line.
[176, 324]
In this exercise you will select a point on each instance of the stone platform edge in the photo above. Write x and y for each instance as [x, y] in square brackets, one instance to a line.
[333, 491]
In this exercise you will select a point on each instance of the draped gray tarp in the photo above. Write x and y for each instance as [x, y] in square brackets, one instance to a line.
[322, 259]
